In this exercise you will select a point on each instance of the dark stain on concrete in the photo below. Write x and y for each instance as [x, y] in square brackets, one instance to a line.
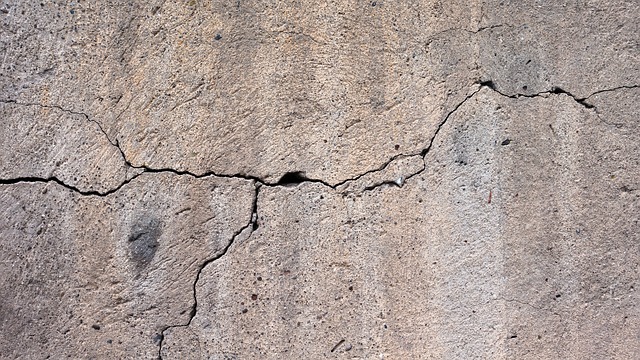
[143, 240]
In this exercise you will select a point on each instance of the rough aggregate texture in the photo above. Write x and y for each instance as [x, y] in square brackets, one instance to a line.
[92, 276]
[48, 142]
[349, 179]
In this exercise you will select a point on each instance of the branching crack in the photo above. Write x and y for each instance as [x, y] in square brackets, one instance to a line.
[33, 179]
[488, 84]
[424, 151]
[252, 225]
[289, 179]
[295, 178]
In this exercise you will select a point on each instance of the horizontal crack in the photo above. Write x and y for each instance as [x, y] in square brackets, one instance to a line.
[613, 89]
[437, 35]
[287, 180]
[490, 85]
[293, 178]
[557, 90]
[33, 179]
[279, 183]
[30, 179]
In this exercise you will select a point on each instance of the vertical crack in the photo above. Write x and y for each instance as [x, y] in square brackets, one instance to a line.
[252, 225]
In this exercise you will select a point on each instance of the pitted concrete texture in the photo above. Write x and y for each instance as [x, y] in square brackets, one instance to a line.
[51, 143]
[344, 180]
[499, 248]
[102, 277]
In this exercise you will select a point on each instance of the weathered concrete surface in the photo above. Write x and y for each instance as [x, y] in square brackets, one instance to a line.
[578, 46]
[102, 277]
[461, 179]
[525, 249]
[275, 87]
[48, 142]
[299, 86]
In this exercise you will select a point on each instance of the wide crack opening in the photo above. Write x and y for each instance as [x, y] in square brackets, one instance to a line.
[292, 179]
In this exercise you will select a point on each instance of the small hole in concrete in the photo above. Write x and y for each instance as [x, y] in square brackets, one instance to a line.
[292, 178]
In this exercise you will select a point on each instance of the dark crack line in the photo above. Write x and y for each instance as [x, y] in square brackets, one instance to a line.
[490, 85]
[613, 89]
[253, 224]
[68, 111]
[380, 168]
[106, 136]
[439, 34]
[114, 143]
[426, 150]
[259, 180]
[554, 90]
[489, 27]
[388, 183]
[146, 169]
[31, 179]
[557, 90]
[422, 153]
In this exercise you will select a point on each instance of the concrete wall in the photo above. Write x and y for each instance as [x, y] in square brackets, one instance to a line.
[301, 180]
